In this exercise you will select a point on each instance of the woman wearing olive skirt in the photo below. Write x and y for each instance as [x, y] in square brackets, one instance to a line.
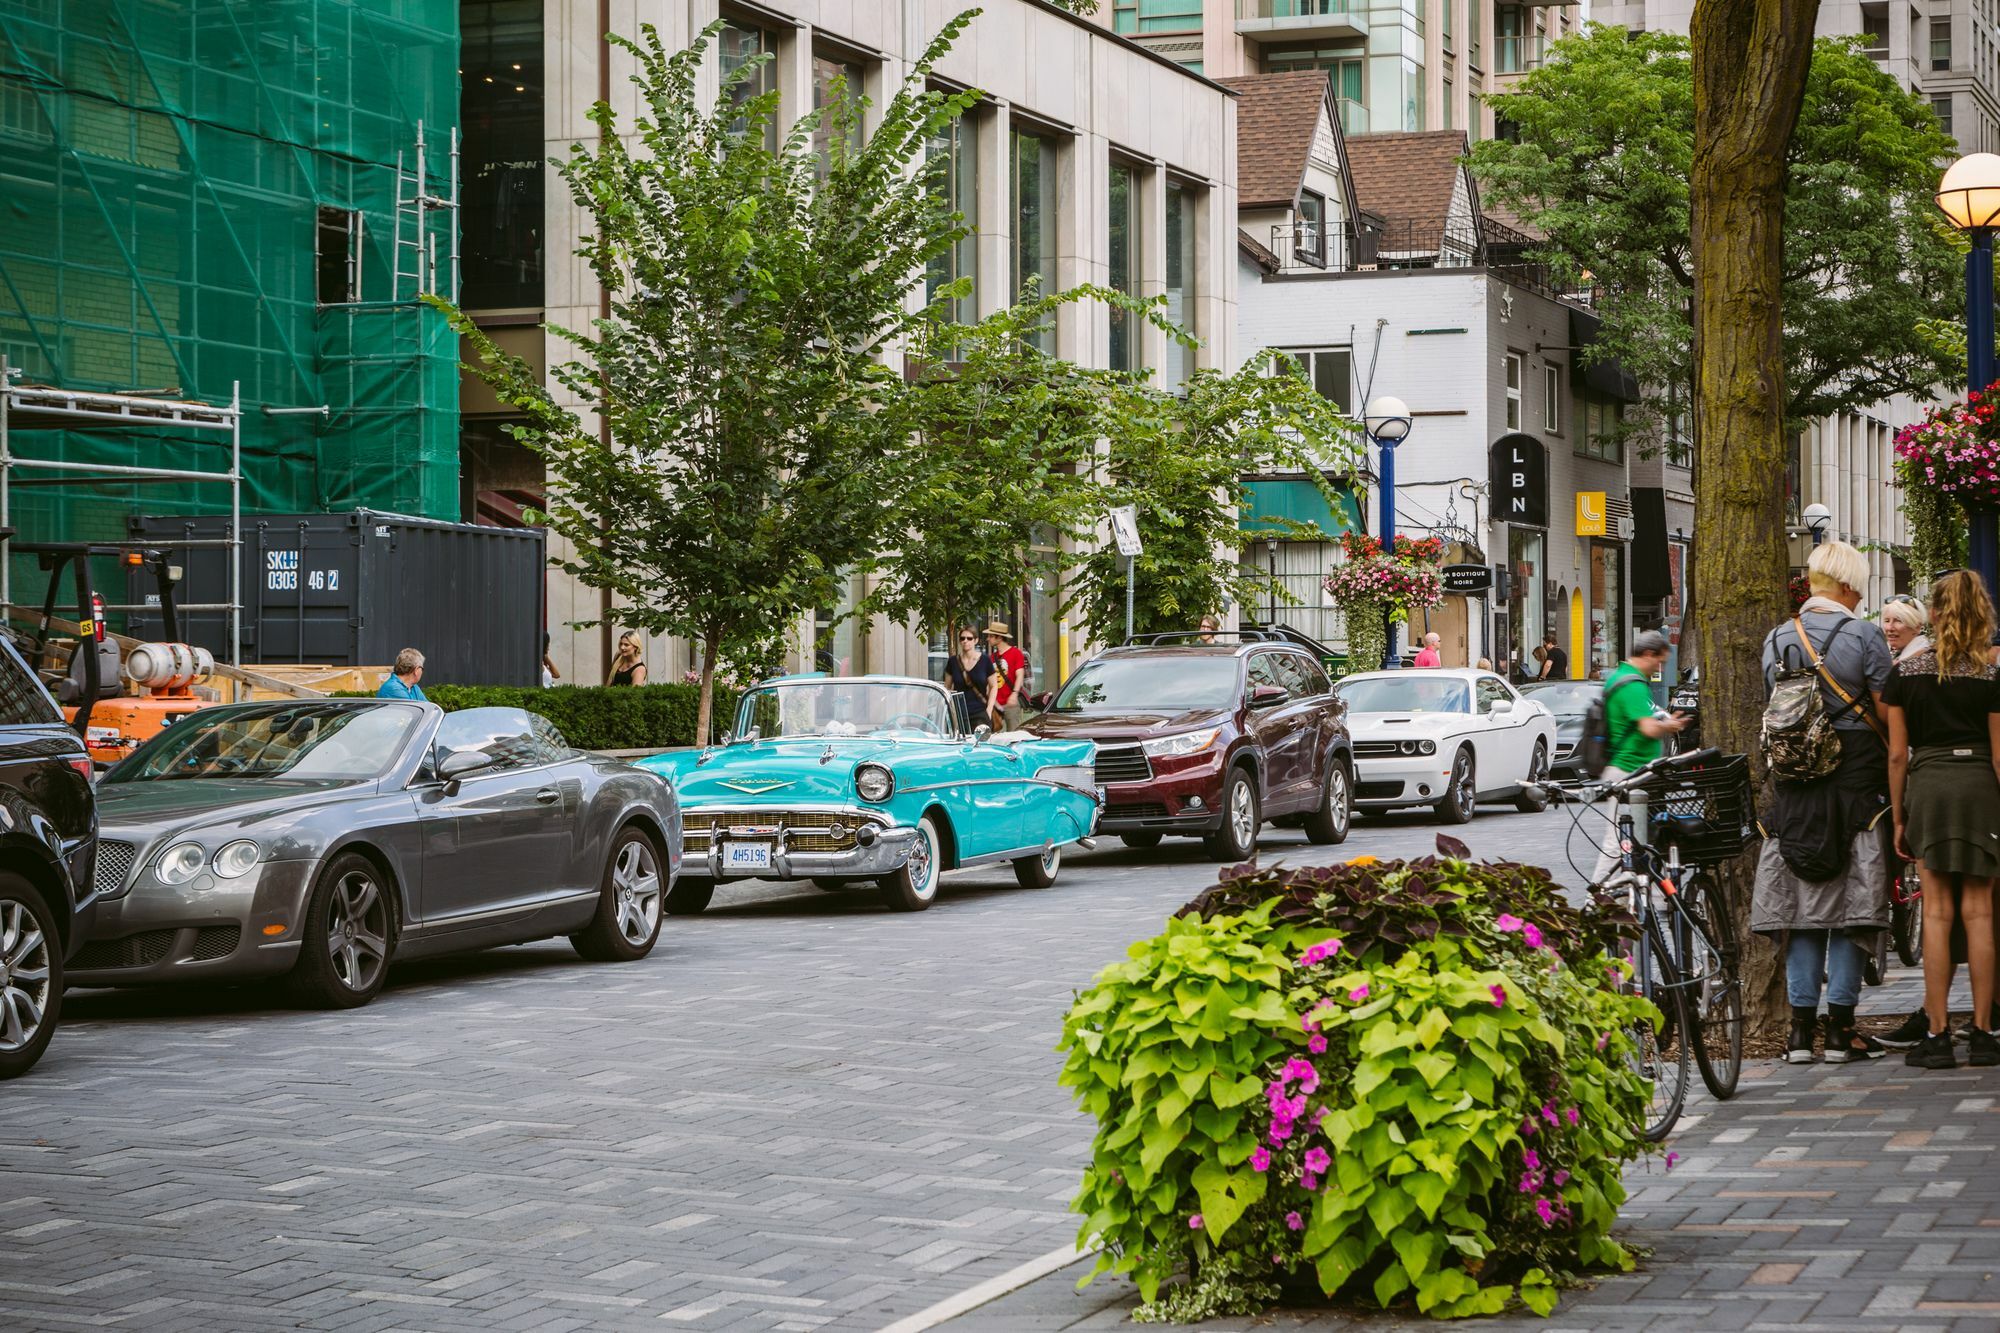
[1943, 710]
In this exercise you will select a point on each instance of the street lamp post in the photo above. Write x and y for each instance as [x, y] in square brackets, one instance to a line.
[1969, 194]
[1388, 424]
[1817, 516]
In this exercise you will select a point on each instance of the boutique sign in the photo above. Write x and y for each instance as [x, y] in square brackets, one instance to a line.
[1519, 471]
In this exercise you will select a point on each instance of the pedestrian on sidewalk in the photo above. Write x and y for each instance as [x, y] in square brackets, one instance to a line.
[1943, 709]
[403, 681]
[1010, 676]
[629, 666]
[1634, 730]
[1554, 661]
[1819, 890]
[1428, 655]
[969, 671]
[1903, 624]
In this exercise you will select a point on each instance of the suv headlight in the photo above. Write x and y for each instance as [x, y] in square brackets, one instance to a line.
[180, 863]
[1184, 742]
[874, 782]
[237, 859]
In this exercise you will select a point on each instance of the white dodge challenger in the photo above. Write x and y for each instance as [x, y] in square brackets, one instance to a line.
[1445, 737]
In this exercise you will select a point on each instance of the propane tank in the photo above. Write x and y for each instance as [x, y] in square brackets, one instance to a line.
[168, 666]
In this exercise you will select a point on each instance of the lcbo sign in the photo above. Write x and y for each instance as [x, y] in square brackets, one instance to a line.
[1519, 471]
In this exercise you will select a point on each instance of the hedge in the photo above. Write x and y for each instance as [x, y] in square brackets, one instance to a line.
[600, 717]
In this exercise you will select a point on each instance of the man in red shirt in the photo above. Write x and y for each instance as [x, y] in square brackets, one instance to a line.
[1009, 679]
[1429, 656]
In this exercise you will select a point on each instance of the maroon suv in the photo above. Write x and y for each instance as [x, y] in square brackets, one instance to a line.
[1210, 740]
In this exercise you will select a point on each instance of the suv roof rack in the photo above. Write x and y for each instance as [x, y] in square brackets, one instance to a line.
[1196, 635]
[1298, 638]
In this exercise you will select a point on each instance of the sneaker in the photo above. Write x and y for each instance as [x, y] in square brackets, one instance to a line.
[1985, 1048]
[1993, 1025]
[1856, 1047]
[1799, 1046]
[1933, 1052]
[1912, 1030]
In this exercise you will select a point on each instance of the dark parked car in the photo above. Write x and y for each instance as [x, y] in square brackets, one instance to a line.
[1210, 740]
[48, 838]
[323, 839]
[1567, 699]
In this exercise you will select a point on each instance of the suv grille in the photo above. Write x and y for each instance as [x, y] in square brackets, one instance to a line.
[148, 946]
[1144, 810]
[1123, 763]
[114, 863]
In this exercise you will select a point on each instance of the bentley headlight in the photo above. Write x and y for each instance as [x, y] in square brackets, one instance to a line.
[1183, 742]
[237, 859]
[874, 782]
[180, 863]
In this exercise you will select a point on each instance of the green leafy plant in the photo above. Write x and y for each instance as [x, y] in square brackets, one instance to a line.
[1404, 1081]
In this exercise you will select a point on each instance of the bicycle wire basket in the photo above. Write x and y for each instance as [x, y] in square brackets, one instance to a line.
[1706, 811]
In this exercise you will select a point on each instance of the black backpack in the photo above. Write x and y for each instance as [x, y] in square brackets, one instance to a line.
[1593, 752]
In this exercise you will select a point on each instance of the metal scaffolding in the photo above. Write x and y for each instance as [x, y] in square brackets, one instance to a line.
[28, 407]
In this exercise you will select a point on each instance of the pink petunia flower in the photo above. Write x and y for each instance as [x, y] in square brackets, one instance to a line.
[1546, 1211]
[1570, 1115]
[1295, 1222]
[1317, 1045]
[1280, 1130]
[1499, 994]
[1194, 1222]
[1561, 1179]
[1528, 1127]
[1317, 1160]
[1359, 992]
[1260, 1160]
[1507, 921]
[1309, 1182]
[1532, 935]
[1549, 1113]
[1532, 1160]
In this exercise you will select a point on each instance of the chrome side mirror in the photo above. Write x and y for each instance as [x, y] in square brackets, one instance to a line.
[458, 764]
[981, 734]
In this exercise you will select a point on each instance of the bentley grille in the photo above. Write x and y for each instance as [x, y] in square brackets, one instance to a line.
[114, 863]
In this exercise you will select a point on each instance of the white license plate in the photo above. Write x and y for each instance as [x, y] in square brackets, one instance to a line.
[746, 856]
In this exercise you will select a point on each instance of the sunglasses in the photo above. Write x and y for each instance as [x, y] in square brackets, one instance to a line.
[1902, 597]
[967, 638]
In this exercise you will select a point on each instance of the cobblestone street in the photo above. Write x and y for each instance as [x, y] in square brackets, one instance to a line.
[806, 1112]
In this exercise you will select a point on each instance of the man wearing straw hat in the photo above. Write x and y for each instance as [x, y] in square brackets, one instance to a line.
[1009, 681]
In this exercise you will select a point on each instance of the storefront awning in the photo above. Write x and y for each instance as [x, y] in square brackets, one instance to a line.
[1601, 376]
[1301, 502]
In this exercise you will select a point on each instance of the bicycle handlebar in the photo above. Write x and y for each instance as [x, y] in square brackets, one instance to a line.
[1598, 790]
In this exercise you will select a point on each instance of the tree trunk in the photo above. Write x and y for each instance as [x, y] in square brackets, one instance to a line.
[711, 645]
[1750, 62]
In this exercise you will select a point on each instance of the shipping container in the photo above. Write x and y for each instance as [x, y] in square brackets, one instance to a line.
[355, 588]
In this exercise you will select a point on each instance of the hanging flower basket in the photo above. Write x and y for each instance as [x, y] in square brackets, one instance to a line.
[1371, 583]
[1955, 449]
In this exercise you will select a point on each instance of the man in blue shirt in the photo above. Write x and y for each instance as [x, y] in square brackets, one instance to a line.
[402, 682]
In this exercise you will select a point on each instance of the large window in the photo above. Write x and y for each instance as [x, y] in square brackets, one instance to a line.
[1311, 240]
[953, 167]
[738, 46]
[1600, 436]
[1122, 251]
[1331, 370]
[1941, 43]
[1035, 212]
[1134, 16]
[1181, 294]
[1607, 606]
[1941, 106]
[502, 154]
[1527, 611]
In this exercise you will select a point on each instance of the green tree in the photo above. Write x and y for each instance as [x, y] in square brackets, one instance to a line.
[721, 448]
[1179, 458]
[1602, 166]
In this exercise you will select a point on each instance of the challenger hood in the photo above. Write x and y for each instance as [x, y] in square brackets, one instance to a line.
[1395, 726]
[779, 772]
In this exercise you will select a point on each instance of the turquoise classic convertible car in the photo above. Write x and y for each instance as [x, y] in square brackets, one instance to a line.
[857, 780]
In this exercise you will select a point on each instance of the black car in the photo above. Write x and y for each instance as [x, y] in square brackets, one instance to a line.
[48, 850]
[1567, 699]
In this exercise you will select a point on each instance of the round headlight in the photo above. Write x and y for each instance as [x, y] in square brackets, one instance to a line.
[1409, 747]
[874, 782]
[1427, 747]
[180, 863]
[237, 859]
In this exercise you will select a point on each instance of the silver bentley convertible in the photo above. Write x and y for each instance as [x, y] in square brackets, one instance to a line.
[324, 839]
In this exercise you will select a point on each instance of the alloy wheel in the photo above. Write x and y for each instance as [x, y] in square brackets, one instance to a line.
[1243, 814]
[24, 976]
[1462, 793]
[635, 879]
[1336, 798]
[357, 931]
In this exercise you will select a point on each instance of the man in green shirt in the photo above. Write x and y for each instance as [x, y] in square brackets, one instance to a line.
[1633, 727]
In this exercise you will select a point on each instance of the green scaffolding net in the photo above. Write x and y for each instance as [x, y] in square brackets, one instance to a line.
[198, 194]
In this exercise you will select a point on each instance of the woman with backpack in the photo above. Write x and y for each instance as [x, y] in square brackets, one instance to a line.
[1824, 861]
[1943, 707]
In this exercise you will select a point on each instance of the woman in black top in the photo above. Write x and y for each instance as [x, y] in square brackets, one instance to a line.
[629, 666]
[1943, 709]
[967, 671]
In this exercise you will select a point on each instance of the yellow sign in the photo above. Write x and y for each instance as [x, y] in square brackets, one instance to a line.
[1590, 514]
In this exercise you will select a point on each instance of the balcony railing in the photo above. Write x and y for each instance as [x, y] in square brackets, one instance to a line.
[1342, 248]
[1518, 55]
[1296, 20]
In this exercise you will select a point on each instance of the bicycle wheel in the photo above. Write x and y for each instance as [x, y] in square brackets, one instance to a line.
[1660, 1053]
[1713, 994]
[1906, 919]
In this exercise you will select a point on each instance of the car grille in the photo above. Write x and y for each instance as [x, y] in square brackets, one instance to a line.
[1141, 810]
[1374, 749]
[1123, 763]
[114, 863]
[1377, 791]
[804, 830]
[215, 942]
[148, 946]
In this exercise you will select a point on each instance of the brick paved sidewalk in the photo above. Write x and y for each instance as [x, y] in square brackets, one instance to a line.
[1848, 1197]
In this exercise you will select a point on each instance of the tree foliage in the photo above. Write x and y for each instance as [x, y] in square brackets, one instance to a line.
[744, 457]
[1602, 166]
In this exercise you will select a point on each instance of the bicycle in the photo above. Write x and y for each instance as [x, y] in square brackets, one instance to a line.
[1685, 961]
[1906, 915]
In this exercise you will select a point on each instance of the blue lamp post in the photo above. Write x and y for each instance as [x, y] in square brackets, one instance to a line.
[1388, 424]
[1969, 194]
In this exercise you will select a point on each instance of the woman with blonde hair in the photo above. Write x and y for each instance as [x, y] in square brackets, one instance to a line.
[1943, 707]
[1903, 624]
[629, 666]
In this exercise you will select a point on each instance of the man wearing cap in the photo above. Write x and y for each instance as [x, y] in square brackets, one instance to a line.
[1009, 676]
[1634, 728]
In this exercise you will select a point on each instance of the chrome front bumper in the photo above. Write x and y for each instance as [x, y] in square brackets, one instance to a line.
[877, 849]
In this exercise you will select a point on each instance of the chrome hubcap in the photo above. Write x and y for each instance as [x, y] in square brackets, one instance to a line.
[1051, 861]
[24, 976]
[635, 879]
[1242, 820]
[357, 931]
[923, 863]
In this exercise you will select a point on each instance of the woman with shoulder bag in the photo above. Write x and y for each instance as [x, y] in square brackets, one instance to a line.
[1818, 892]
[967, 672]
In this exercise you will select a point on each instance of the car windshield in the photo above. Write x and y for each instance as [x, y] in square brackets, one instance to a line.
[1409, 693]
[1167, 683]
[1566, 698]
[835, 707]
[322, 742]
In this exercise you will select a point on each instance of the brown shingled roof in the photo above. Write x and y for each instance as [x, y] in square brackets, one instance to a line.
[1407, 179]
[1276, 118]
